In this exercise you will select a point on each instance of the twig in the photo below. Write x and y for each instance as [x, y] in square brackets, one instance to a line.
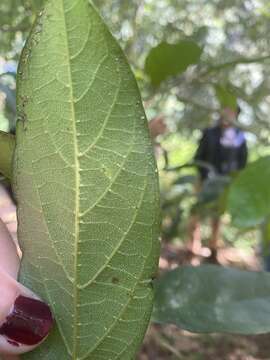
[235, 62]
[6, 28]
[196, 104]
[165, 345]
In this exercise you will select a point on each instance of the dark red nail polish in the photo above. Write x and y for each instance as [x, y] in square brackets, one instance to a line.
[29, 323]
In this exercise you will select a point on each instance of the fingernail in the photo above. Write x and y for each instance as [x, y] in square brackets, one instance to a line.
[29, 322]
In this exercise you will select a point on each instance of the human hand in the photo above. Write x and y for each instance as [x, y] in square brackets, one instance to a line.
[25, 320]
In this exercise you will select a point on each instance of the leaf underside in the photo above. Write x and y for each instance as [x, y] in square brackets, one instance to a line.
[212, 299]
[86, 184]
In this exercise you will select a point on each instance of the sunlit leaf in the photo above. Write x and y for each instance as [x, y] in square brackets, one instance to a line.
[214, 299]
[86, 184]
[10, 107]
[10, 97]
[167, 60]
[37, 4]
[226, 96]
[265, 238]
[4, 123]
[249, 196]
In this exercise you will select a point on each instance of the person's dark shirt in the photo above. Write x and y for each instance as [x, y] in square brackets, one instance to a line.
[225, 150]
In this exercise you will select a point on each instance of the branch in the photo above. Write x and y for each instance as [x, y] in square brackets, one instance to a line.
[196, 104]
[163, 343]
[233, 63]
[195, 163]
[8, 29]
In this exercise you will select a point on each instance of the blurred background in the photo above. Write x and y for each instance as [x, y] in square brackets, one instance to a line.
[192, 59]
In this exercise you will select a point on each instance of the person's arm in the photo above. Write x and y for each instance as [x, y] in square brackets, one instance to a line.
[243, 155]
[201, 154]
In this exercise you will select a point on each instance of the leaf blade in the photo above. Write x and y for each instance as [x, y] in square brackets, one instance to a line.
[249, 195]
[214, 299]
[88, 179]
[226, 96]
[167, 60]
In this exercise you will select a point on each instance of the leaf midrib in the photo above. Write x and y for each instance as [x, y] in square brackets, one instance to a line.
[77, 187]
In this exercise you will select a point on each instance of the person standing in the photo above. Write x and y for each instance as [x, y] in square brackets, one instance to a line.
[223, 149]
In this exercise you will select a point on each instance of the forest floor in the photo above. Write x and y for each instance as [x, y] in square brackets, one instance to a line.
[171, 343]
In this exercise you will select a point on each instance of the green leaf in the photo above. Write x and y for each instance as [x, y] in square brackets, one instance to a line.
[226, 96]
[7, 146]
[249, 195]
[167, 60]
[214, 299]
[87, 187]
[37, 5]
[4, 123]
[265, 238]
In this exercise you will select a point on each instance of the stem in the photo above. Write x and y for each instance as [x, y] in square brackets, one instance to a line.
[232, 63]
[196, 104]
[165, 345]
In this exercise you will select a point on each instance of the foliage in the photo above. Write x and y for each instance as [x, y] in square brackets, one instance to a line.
[226, 96]
[249, 196]
[161, 61]
[214, 299]
[232, 33]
